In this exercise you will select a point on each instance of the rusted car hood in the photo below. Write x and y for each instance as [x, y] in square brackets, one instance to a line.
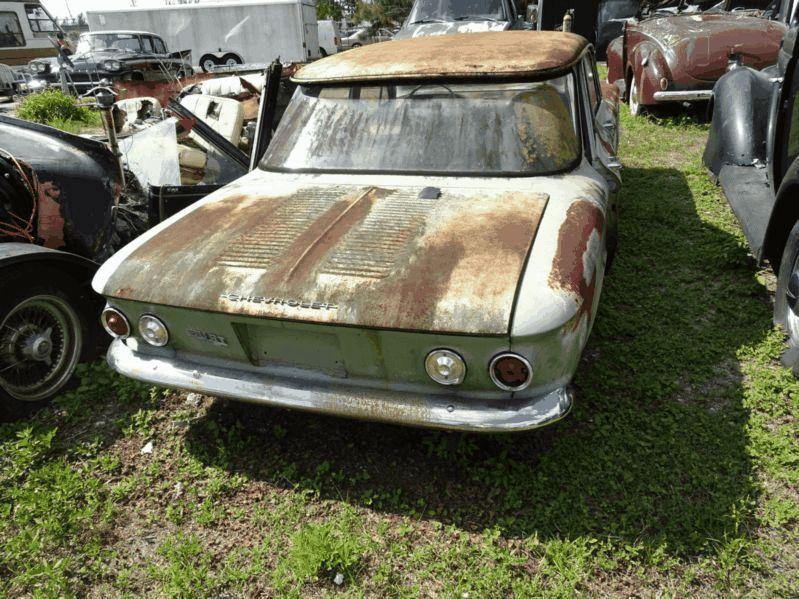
[360, 255]
[699, 45]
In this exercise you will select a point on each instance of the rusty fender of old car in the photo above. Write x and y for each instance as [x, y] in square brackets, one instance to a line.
[424, 242]
[678, 58]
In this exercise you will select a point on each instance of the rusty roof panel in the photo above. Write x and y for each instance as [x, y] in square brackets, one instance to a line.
[364, 256]
[488, 54]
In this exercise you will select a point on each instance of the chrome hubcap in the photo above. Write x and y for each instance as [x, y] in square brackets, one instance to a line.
[792, 302]
[40, 344]
[633, 97]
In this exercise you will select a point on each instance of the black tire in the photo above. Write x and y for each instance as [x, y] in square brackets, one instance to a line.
[355, 45]
[322, 52]
[230, 60]
[207, 60]
[33, 301]
[786, 301]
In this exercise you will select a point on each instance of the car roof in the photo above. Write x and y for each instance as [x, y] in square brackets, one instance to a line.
[465, 55]
[119, 31]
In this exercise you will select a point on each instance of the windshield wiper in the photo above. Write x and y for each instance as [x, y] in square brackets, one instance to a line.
[423, 21]
[475, 18]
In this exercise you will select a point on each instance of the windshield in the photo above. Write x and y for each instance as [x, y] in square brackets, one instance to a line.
[485, 129]
[432, 11]
[108, 42]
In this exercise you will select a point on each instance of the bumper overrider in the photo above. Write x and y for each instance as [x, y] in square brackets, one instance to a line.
[414, 409]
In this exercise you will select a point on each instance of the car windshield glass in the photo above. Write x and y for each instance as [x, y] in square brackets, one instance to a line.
[425, 11]
[109, 42]
[478, 129]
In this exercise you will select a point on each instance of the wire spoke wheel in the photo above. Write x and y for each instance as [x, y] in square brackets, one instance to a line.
[40, 345]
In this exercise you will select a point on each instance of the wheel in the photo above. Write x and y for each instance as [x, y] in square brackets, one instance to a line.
[45, 331]
[635, 105]
[786, 301]
[322, 52]
[231, 60]
[356, 45]
[208, 62]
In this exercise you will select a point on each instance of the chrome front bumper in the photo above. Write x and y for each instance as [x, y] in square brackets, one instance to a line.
[436, 411]
[695, 95]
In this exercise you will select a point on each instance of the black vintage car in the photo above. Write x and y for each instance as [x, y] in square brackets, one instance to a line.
[753, 153]
[113, 55]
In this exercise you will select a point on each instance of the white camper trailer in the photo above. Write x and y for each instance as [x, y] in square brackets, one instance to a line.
[26, 30]
[226, 34]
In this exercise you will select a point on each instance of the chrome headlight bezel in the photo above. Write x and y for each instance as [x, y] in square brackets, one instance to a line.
[148, 324]
[505, 386]
[112, 65]
[437, 358]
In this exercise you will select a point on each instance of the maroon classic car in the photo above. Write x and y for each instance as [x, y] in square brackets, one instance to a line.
[678, 58]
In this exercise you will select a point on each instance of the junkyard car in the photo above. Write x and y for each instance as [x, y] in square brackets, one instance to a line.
[678, 57]
[114, 55]
[753, 152]
[441, 17]
[424, 242]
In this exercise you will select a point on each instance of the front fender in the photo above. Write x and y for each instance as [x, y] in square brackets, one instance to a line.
[741, 112]
[14, 254]
[649, 66]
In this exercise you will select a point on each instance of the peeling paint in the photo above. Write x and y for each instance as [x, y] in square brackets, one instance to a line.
[579, 243]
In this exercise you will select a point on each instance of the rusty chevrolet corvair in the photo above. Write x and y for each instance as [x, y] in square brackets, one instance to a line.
[678, 57]
[424, 242]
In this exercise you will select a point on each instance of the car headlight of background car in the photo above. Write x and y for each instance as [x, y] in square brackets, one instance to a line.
[112, 65]
[40, 67]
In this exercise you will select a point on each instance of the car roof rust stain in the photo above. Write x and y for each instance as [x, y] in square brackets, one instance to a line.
[465, 55]
[454, 268]
[569, 266]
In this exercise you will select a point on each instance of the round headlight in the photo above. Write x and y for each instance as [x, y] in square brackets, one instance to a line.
[40, 67]
[510, 372]
[445, 367]
[112, 65]
[115, 323]
[153, 331]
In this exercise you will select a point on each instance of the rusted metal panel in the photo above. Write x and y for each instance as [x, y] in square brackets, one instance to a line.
[574, 265]
[375, 257]
[163, 91]
[474, 55]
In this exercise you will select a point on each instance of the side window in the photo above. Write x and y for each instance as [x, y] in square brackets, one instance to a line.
[160, 46]
[10, 31]
[594, 96]
[147, 44]
[40, 22]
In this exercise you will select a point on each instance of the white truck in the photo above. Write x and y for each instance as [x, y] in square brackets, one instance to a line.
[229, 34]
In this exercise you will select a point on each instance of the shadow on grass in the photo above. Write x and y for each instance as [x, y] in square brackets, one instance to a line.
[655, 452]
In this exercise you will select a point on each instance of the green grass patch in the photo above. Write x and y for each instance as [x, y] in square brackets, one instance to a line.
[62, 111]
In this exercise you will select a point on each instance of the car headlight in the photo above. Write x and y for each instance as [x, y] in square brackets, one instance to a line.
[115, 323]
[510, 372]
[40, 67]
[153, 331]
[445, 367]
[112, 65]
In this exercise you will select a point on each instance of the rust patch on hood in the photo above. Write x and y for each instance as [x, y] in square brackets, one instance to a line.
[361, 256]
[573, 267]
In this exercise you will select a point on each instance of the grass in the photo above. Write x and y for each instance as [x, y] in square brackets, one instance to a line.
[675, 475]
[53, 107]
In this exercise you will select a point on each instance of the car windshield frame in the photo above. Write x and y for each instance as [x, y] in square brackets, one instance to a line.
[435, 11]
[87, 43]
[289, 129]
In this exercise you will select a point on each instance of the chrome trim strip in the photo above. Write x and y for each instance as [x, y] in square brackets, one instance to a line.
[684, 96]
[438, 411]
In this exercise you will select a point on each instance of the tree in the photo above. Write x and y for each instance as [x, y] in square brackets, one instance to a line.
[383, 13]
[328, 9]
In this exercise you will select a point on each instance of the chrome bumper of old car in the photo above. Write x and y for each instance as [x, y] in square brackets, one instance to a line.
[439, 411]
[694, 95]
